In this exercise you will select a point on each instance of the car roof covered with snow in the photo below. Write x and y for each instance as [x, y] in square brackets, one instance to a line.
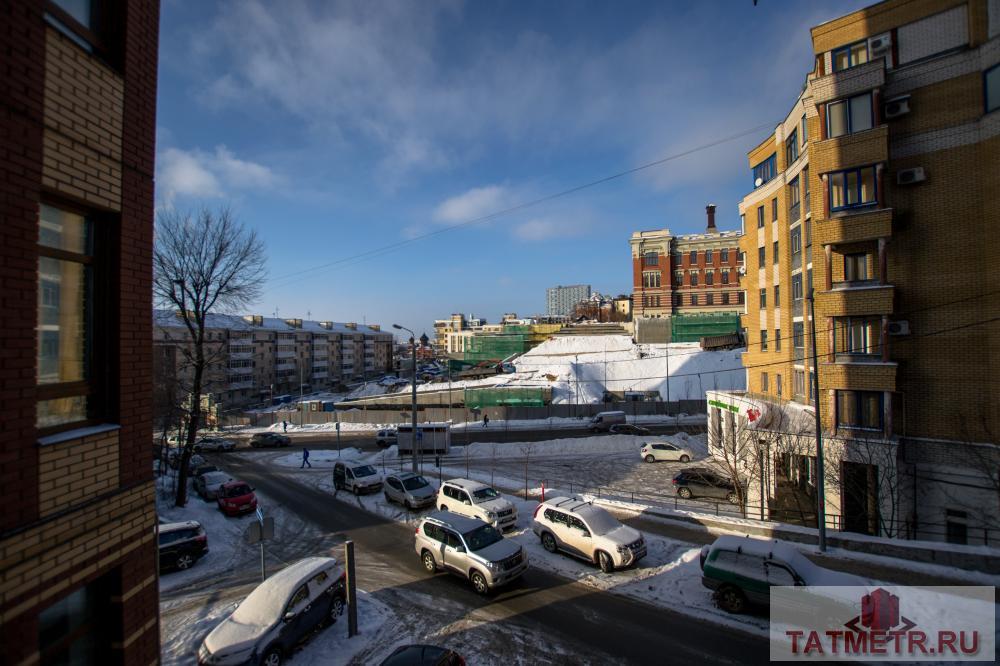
[811, 573]
[175, 527]
[466, 484]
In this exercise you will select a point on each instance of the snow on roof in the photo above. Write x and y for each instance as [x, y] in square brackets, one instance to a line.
[169, 319]
[810, 572]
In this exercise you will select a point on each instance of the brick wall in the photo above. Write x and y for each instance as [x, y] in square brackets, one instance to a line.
[77, 470]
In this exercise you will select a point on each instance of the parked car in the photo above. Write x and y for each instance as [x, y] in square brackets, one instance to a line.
[411, 490]
[476, 500]
[704, 482]
[208, 485]
[194, 462]
[627, 429]
[181, 544]
[741, 571]
[385, 437]
[357, 477]
[204, 469]
[214, 444]
[280, 613]
[470, 548]
[269, 439]
[603, 421]
[653, 451]
[589, 532]
[423, 655]
[235, 498]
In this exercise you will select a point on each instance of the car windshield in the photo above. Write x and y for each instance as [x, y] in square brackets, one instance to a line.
[481, 537]
[485, 494]
[364, 470]
[600, 521]
[237, 491]
[414, 482]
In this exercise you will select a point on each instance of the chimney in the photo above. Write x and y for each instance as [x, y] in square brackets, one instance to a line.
[710, 211]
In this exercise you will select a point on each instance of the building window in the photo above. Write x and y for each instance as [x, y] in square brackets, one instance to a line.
[725, 277]
[797, 287]
[857, 336]
[83, 21]
[679, 279]
[764, 384]
[765, 171]
[709, 278]
[708, 256]
[725, 256]
[694, 279]
[74, 629]
[650, 259]
[991, 82]
[777, 385]
[805, 187]
[859, 410]
[798, 383]
[774, 209]
[743, 223]
[678, 300]
[798, 335]
[761, 257]
[849, 116]
[796, 240]
[852, 188]
[694, 299]
[792, 148]
[741, 297]
[805, 130]
[65, 317]
[651, 279]
[725, 298]
[763, 340]
[710, 299]
[777, 339]
[656, 301]
[777, 295]
[775, 253]
[763, 299]
[694, 257]
[760, 217]
[851, 55]
[855, 267]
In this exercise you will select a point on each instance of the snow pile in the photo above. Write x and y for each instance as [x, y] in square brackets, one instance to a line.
[367, 390]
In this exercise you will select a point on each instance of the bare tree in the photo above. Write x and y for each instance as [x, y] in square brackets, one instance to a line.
[203, 264]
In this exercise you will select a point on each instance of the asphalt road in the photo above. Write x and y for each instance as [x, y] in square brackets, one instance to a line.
[600, 627]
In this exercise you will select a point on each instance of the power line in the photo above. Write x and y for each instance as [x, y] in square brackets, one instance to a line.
[284, 280]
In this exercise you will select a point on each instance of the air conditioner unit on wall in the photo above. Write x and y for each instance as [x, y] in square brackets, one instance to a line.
[910, 176]
[880, 45]
[897, 106]
[899, 328]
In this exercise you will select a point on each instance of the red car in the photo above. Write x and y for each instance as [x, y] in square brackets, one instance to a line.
[236, 498]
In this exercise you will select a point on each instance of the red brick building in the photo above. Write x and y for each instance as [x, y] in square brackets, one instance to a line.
[78, 552]
[693, 273]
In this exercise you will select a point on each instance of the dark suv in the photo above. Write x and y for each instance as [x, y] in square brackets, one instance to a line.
[181, 544]
[704, 482]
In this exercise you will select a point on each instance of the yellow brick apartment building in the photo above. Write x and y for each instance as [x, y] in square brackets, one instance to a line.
[78, 552]
[878, 192]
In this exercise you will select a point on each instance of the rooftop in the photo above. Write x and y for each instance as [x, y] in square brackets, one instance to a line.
[170, 319]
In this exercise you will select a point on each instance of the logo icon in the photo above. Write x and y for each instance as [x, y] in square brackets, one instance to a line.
[880, 612]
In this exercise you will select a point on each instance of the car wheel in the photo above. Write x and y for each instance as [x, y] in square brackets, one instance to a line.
[429, 564]
[605, 562]
[272, 657]
[684, 492]
[479, 583]
[685, 458]
[549, 542]
[650, 458]
[184, 561]
[336, 608]
[444, 507]
[731, 599]
[732, 498]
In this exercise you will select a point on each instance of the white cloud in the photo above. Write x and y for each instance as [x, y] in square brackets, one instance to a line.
[473, 204]
[201, 174]
[545, 228]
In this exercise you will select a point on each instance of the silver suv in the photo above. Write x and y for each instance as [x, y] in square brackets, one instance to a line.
[588, 532]
[477, 500]
[470, 548]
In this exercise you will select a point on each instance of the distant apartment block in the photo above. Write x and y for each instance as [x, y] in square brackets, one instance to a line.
[256, 357]
[687, 274]
[559, 301]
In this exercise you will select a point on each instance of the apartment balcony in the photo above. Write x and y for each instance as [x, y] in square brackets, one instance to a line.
[319, 375]
[847, 82]
[285, 365]
[853, 299]
[240, 355]
[236, 386]
[243, 370]
[859, 376]
[851, 150]
[319, 364]
[285, 353]
[320, 354]
[854, 227]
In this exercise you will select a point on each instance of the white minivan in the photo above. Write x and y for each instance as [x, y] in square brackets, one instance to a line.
[604, 420]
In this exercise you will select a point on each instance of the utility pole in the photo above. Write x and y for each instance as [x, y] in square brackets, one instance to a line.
[820, 478]
[413, 383]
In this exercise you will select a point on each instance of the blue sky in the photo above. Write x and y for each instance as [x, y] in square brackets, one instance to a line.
[340, 128]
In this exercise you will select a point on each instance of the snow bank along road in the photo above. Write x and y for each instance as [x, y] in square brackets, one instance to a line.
[568, 622]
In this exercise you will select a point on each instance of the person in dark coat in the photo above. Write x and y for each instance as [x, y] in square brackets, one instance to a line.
[486, 420]
[305, 458]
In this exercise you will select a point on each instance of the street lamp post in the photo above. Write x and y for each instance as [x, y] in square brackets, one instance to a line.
[820, 478]
[413, 382]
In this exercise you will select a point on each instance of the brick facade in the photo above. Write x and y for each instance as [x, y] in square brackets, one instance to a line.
[78, 129]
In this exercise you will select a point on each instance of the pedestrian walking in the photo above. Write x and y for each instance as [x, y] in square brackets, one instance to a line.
[486, 420]
[305, 458]
[284, 426]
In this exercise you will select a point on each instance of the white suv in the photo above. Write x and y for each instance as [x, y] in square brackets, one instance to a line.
[476, 500]
[588, 532]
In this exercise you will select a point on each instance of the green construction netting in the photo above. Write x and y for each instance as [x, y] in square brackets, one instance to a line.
[693, 327]
[494, 347]
[519, 396]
